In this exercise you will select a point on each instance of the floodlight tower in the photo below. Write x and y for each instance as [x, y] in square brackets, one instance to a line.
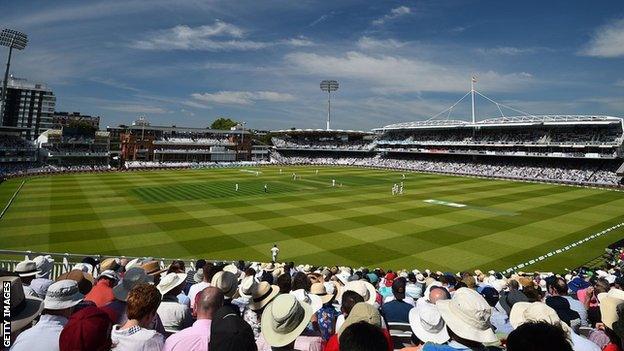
[13, 40]
[329, 86]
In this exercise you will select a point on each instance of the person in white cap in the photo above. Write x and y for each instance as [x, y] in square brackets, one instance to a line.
[59, 303]
[174, 315]
[467, 316]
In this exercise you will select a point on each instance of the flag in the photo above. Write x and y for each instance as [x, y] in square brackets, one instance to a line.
[474, 79]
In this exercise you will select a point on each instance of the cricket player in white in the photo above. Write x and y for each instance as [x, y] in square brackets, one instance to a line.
[274, 252]
[333, 182]
[236, 186]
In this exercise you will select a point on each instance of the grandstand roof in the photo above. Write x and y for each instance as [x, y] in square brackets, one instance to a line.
[507, 121]
[186, 129]
[320, 131]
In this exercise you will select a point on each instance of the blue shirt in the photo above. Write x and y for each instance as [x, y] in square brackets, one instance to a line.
[396, 311]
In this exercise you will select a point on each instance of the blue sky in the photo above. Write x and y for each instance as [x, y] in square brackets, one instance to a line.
[187, 62]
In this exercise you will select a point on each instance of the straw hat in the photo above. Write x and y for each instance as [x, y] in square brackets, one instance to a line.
[361, 312]
[44, 265]
[226, 282]
[152, 268]
[62, 294]
[26, 268]
[170, 282]
[247, 286]
[110, 263]
[313, 300]
[363, 288]
[608, 306]
[523, 312]
[23, 309]
[263, 294]
[320, 290]
[467, 314]
[427, 324]
[84, 280]
[132, 277]
[284, 320]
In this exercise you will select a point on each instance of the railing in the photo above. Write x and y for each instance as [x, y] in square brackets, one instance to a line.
[64, 262]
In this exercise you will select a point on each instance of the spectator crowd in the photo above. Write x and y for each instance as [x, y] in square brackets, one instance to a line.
[121, 304]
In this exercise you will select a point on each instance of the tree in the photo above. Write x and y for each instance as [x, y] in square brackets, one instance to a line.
[222, 123]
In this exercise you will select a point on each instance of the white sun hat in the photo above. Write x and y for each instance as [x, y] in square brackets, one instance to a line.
[313, 300]
[247, 286]
[523, 312]
[364, 289]
[62, 294]
[467, 314]
[426, 322]
[284, 319]
[170, 282]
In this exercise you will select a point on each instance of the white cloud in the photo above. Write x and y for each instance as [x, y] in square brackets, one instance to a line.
[368, 43]
[395, 74]
[607, 41]
[134, 108]
[394, 14]
[619, 83]
[220, 36]
[242, 97]
[508, 50]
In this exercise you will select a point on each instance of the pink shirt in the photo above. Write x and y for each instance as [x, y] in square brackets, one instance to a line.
[194, 338]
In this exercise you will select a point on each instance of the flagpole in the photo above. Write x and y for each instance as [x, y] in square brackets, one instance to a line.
[472, 92]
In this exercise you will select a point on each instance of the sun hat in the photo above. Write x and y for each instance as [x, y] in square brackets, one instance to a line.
[467, 314]
[247, 286]
[40, 286]
[523, 312]
[231, 268]
[84, 280]
[226, 282]
[364, 289]
[26, 268]
[136, 262]
[82, 266]
[110, 263]
[618, 326]
[361, 312]
[152, 268]
[44, 265]
[109, 273]
[170, 282]
[313, 300]
[320, 290]
[62, 294]
[24, 309]
[228, 331]
[133, 276]
[284, 319]
[426, 323]
[263, 294]
[87, 329]
[608, 306]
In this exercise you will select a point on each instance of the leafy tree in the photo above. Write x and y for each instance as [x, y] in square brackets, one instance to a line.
[222, 123]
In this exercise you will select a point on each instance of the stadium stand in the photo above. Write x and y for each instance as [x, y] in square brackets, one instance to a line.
[313, 311]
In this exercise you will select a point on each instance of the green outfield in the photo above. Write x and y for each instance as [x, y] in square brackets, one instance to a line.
[440, 222]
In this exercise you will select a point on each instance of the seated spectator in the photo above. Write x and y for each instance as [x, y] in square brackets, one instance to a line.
[558, 288]
[174, 315]
[88, 329]
[27, 270]
[42, 280]
[438, 293]
[361, 312]
[190, 275]
[102, 293]
[609, 304]
[538, 336]
[229, 332]
[178, 266]
[509, 298]
[198, 336]
[24, 309]
[283, 321]
[524, 312]
[112, 264]
[362, 336]
[397, 310]
[327, 314]
[59, 304]
[284, 282]
[427, 324]
[260, 297]
[208, 271]
[116, 309]
[467, 317]
[227, 283]
[349, 299]
[135, 335]
[84, 280]
[153, 270]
